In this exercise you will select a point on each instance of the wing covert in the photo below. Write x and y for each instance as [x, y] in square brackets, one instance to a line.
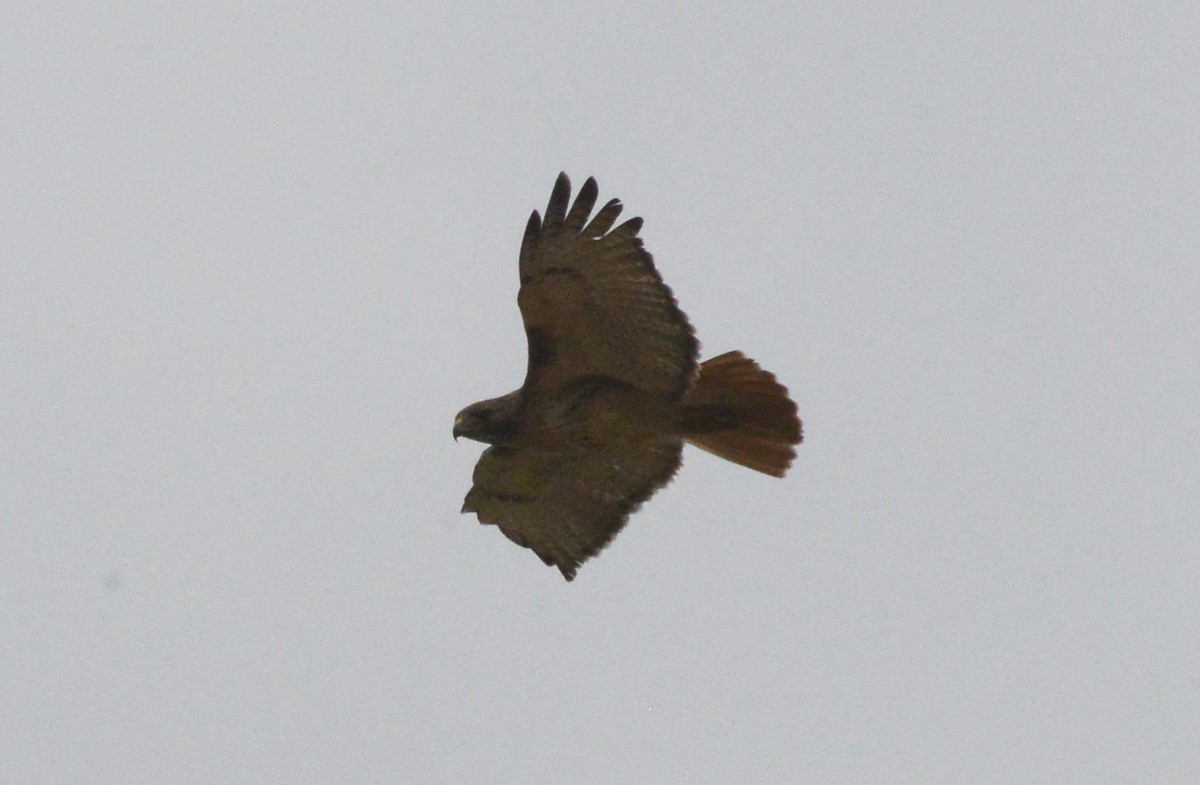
[593, 302]
[567, 504]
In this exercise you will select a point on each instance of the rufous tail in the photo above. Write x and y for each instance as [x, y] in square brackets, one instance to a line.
[737, 411]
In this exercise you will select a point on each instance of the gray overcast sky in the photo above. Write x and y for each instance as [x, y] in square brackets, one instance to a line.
[256, 256]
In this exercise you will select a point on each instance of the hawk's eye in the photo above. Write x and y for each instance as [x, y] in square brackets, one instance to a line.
[484, 415]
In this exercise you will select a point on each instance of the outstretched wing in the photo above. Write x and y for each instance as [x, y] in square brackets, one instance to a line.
[593, 304]
[567, 504]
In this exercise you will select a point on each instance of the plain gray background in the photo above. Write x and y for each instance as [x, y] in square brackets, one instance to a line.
[256, 256]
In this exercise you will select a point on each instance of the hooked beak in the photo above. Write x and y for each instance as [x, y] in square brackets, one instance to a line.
[457, 428]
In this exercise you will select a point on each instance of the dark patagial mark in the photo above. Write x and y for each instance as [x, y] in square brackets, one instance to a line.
[541, 348]
[475, 497]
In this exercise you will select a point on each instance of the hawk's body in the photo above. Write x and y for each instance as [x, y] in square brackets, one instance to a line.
[611, 391]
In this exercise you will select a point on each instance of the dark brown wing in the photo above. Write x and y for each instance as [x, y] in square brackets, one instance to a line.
[593, 304]
[567, 504]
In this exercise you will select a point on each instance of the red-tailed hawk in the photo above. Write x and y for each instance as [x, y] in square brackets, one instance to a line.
[612, 391]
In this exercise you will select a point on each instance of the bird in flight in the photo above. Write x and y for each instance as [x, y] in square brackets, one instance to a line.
[613, 388]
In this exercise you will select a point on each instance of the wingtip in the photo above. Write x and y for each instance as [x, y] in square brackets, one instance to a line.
[533, 225]
[631, 227]
[587, 196]
[562, 188]
[556, 208]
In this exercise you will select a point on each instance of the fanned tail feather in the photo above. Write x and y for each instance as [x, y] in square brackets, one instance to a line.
[737, 411]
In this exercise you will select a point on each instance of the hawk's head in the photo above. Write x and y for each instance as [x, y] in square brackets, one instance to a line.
[490, 422]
